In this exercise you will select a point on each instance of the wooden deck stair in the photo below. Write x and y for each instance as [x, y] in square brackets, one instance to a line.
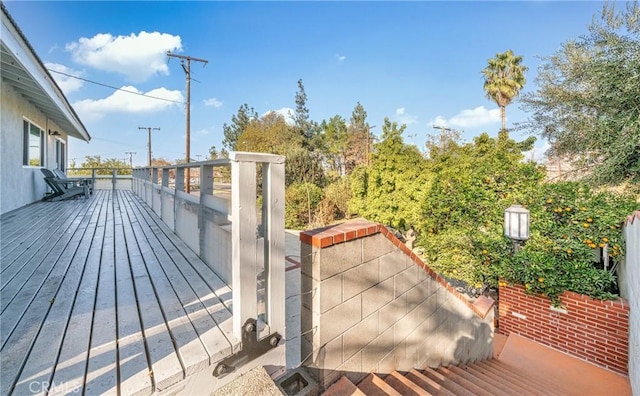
[488, 377]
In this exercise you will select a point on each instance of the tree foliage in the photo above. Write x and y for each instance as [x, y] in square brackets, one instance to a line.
[391, 189]
[358, 139]
[303, 126]
[104, 166]
[587, 98]
[463, 209]
[268, 134]
[239, 123]
[333, 143]
[503, 80]
[303, 166]
[571, 225]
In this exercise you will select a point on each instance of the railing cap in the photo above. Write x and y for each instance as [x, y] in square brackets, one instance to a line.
[243, 156]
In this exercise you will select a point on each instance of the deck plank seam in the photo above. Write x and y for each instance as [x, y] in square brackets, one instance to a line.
[41, 322]
[80, 261]
[182, 277]
[193, 261]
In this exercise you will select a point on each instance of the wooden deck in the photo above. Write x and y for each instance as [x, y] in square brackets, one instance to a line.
[99, 296]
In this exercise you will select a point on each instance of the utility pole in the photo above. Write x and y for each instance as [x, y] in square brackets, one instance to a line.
[149, 129]
[185, 61]
[446, 134]
[130, 154]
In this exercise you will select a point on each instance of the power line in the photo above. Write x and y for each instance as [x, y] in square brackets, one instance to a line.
[116, 88]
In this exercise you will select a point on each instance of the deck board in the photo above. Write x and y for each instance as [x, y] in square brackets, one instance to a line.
[100, 296]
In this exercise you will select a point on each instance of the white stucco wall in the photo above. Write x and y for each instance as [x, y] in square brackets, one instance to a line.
[21, 185]
[630, 289]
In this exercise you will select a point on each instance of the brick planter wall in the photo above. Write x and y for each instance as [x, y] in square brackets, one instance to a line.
[594, 330]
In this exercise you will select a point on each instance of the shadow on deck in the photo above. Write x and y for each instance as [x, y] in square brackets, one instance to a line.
[99, 296]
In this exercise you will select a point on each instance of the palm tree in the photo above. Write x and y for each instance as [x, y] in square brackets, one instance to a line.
[503, 80]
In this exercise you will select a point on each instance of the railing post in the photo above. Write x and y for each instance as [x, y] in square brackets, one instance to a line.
[243, 236]
[114, 178]
[206, 189]
[165, 177]
[274, 243]
[179, 183]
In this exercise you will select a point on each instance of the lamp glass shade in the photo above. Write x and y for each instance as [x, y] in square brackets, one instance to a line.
[516, 223]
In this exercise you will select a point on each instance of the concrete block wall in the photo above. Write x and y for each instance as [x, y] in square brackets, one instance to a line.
[629, 279]
[594, 330]
[370, 305]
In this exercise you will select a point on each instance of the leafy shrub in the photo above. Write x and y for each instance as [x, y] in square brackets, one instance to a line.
[570, 224]
[301, 201]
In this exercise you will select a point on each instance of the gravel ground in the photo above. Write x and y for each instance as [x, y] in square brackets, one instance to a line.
[255, 382]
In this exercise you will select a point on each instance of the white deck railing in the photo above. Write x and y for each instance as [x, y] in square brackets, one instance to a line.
[241, 242]
[103, 178]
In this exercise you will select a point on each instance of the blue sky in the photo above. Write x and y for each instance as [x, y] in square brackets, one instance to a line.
[417, 63]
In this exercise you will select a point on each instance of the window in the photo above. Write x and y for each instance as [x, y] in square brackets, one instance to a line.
[60, 155]
[33, 145]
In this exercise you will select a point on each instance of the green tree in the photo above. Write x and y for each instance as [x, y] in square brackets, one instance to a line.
[213, 152]
[269, 134]
[462, 212]
[503, 80]
[239, 123]
[333, 143]
[586, 101]
[303, 166]
[306, 128]
[103, 166]
[358, 139]
[391, 189]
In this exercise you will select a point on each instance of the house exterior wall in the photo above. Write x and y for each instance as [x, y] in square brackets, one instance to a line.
[21, 185]
[629, 276]
[593, 330]
[370, 305]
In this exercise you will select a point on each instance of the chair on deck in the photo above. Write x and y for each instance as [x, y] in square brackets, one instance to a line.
[63, 188]
[61, 175]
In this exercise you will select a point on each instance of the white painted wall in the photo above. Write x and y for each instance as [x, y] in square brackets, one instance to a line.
[21, 185]
[629, 274]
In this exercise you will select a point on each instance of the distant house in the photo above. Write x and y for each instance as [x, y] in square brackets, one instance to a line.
[36, 120]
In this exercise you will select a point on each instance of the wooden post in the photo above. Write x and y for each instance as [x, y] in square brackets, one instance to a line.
[243, 236]
[179, 179]
[274, 243]
[165, 178]
[206, 189]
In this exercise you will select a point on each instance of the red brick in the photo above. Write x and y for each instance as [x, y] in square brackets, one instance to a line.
[305, 238]
[339, 238]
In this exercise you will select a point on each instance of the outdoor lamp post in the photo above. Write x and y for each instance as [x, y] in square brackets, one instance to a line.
[516, 225]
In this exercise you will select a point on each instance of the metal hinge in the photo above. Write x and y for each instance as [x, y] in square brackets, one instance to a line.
[251, 348]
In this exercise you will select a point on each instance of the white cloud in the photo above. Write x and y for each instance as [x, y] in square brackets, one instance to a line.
[286, 112]
[67, 84]
[125, 102]
[340, 58]
[469, 118]
[203, 131]
[136, 56]
[405, 118]
[212, 102]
